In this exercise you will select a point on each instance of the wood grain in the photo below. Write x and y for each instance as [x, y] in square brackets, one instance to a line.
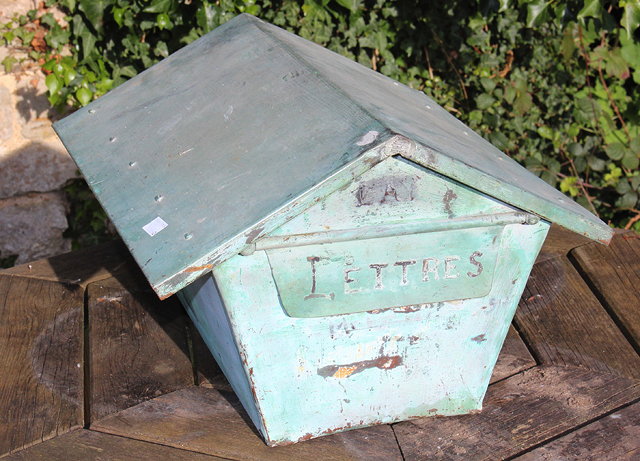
[564, 324]
[138, 346]
[214, 422]
[614, 274]
[84, 445]
[80, 267]
[41, 361]
[518, 413]
[615, 437]
[560, 242]
[514, 357]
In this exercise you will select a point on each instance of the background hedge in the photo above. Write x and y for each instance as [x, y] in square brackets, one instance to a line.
[554, 84]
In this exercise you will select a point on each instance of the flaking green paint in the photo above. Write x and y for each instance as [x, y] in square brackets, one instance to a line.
[420, 359]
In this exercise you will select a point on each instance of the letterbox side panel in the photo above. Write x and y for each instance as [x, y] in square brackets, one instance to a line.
[202, 302]
[521, 245]
[339, 372]
[470, 158]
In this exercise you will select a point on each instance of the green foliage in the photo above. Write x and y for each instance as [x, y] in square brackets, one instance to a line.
[555, 84]
[89, 225]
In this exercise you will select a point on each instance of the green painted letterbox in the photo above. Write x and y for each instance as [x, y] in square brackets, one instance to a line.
[351, 253]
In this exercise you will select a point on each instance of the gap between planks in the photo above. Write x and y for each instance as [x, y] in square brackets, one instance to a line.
[530, 454]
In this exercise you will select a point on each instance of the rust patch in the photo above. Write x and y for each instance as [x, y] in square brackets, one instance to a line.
[384, 362]
[385, 190]
[413, 339]
[479, 338]
[198, 268]
[447, 199]
[348, 426]
[253, 234]
[305, 437]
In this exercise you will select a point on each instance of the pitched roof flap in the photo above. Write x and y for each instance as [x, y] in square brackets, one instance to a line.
[228, 136]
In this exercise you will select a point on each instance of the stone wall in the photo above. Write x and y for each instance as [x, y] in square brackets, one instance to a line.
[34, 165]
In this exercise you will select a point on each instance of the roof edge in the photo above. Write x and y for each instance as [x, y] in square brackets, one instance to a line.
[388, 144]
[593, 229]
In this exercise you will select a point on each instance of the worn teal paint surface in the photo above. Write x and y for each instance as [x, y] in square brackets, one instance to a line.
[243, 129]
[357, 276]
[313, 376]
[202, 301]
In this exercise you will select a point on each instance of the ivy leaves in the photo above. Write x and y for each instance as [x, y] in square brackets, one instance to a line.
[555, 84]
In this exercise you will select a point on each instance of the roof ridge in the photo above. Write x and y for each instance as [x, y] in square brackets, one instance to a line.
[259, 23]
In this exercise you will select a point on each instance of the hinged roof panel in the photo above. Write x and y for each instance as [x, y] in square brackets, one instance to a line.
[231, 136]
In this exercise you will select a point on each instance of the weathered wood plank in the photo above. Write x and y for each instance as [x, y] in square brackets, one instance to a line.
[564, 324]
[214, 422]
[41, 361]
[518, 413]
[79, 267]
[514, 357]
[138, 345]
[612, 438]
[614, 274]
[560, 242]
[84, 445]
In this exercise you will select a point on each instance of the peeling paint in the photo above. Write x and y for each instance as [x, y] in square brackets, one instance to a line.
[253, 234]
[198, 268]
[344, 371]
[386, 190]
[406, 309]
[447, 199]
[368, 138]
[479, 339]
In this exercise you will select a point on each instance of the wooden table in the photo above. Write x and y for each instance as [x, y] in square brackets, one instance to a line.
[94, 367]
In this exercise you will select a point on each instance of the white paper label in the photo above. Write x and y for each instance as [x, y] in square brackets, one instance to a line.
[155, 226]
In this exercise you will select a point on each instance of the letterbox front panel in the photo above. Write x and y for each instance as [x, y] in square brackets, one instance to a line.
[318, 375]
[372, 274]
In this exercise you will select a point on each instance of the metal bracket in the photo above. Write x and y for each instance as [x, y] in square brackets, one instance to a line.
[390, 230]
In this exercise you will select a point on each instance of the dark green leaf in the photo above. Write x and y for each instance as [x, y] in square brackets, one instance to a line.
[87, 38]
[94, 11]
[576, 149]
[596, 164]
[52, 83]
[163, 21]
[628, 200]
[159, 6]
[207, 16]
[546, 132]
[84, 96]
[631, 161]
[8, 63]
[523, 103]
[48, 20]
[631, 17]
[118, 15]
[484, 101]
[591, 9]
[537, 12]
[615, 151]
[615, 65]
[351, 5]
